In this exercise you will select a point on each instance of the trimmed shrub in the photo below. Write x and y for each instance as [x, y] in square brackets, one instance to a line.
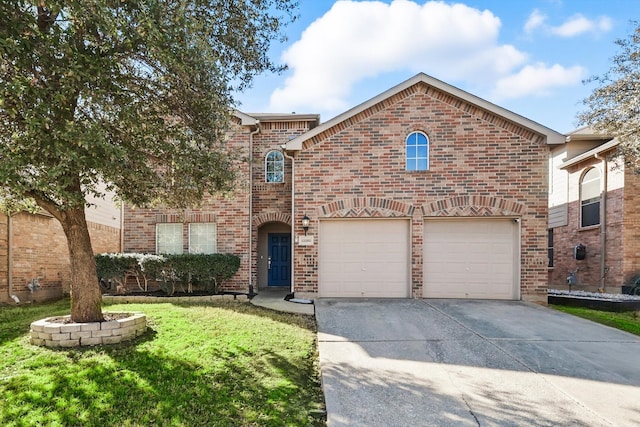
[187, 271]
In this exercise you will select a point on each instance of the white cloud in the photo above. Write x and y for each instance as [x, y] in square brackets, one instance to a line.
[579, 24]
[537, 80]
[536, 20]
[358, 40]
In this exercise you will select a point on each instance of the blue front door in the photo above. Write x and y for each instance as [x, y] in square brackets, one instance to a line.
[279, 260]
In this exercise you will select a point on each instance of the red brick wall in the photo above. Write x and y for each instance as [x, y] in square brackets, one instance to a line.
[473, 154]
[622, 251]
[39, 250]
[631, 226]
[271, 202]
[230, 213]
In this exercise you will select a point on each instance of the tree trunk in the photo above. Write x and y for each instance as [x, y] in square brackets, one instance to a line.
[86, 298]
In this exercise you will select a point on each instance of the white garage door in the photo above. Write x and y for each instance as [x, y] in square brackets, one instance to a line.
[364, 258]
[471, 258]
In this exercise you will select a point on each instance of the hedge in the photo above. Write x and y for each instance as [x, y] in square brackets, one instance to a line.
[204, 271]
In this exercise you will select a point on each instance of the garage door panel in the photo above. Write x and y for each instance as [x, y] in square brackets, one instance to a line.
[472, 258]
[364, 258]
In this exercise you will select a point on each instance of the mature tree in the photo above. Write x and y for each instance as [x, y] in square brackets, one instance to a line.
[614, 106]
[136, 94]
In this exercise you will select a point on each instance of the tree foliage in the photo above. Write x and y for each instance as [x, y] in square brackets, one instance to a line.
[613, 108]
[136, 94]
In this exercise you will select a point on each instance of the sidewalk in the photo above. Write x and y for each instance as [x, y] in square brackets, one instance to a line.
[273, 298]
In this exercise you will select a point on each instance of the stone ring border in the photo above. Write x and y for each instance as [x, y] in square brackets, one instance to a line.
[48, 333]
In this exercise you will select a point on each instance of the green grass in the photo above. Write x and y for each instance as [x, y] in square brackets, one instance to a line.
[627, 321]
[219, 364]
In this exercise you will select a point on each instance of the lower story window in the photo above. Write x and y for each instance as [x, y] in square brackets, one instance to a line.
[550, 248]
[169, 238]
[202, 238]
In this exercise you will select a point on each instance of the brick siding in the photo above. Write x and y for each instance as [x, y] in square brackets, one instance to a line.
[271, 203]
[622, 231]
[473, 155]
[39, 251]
[481, 165]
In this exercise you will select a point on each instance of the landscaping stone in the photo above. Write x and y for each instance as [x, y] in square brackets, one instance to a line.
[59, 332]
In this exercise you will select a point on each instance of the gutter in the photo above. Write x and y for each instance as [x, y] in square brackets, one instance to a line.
[293, 211]
[250, 250]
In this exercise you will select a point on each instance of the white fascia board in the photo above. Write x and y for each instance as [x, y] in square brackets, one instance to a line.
[245, 119]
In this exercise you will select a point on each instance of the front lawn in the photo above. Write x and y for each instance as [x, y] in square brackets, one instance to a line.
[215, 364]
[627, 321]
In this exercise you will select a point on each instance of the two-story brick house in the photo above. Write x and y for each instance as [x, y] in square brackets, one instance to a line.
[423, 191]
[593, 202]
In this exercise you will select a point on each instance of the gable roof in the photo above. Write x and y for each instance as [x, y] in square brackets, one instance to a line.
[552, 136]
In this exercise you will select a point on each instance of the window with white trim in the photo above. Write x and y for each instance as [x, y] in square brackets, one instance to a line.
[274, 166]
[169, 238]
[202, 238]
[590, 198]
[417, 152]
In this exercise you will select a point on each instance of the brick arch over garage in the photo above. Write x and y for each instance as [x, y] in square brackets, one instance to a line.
[473, 206]
[266, 217]
[365, 207]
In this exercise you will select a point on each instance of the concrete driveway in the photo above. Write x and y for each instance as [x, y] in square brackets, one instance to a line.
[473, 363]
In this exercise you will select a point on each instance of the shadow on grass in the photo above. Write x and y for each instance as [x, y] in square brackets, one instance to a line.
[15, 321]
[135, 386]
[146, 382]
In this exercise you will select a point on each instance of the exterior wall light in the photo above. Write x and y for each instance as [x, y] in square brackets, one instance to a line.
[305, 224]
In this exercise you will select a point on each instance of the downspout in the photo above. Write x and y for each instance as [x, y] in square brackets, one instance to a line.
[10, 260]
[122, 226]
[250, 250]
[293, 215]
[603, 224]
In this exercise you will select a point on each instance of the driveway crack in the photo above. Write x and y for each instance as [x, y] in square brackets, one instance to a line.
[471, 411]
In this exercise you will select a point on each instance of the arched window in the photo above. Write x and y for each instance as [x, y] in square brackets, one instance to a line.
[417, 151]
[590, 198]
[274, 166]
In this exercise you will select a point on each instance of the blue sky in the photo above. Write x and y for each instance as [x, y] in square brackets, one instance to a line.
[529, 56]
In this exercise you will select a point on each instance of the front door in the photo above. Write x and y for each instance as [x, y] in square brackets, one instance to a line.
[279, 259]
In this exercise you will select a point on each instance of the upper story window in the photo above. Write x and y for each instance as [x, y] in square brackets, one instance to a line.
[590, 198]
[169, 238]
[417, 150]
[274, 166]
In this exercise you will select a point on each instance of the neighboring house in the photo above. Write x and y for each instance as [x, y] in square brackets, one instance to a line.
[593, 202]
[34, 254]
[424, 191]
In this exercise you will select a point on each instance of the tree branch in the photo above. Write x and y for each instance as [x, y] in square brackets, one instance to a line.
[46, 17]
[45, 203]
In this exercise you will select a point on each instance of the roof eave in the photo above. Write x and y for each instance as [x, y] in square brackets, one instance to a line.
[245, 119]
[591, 153]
